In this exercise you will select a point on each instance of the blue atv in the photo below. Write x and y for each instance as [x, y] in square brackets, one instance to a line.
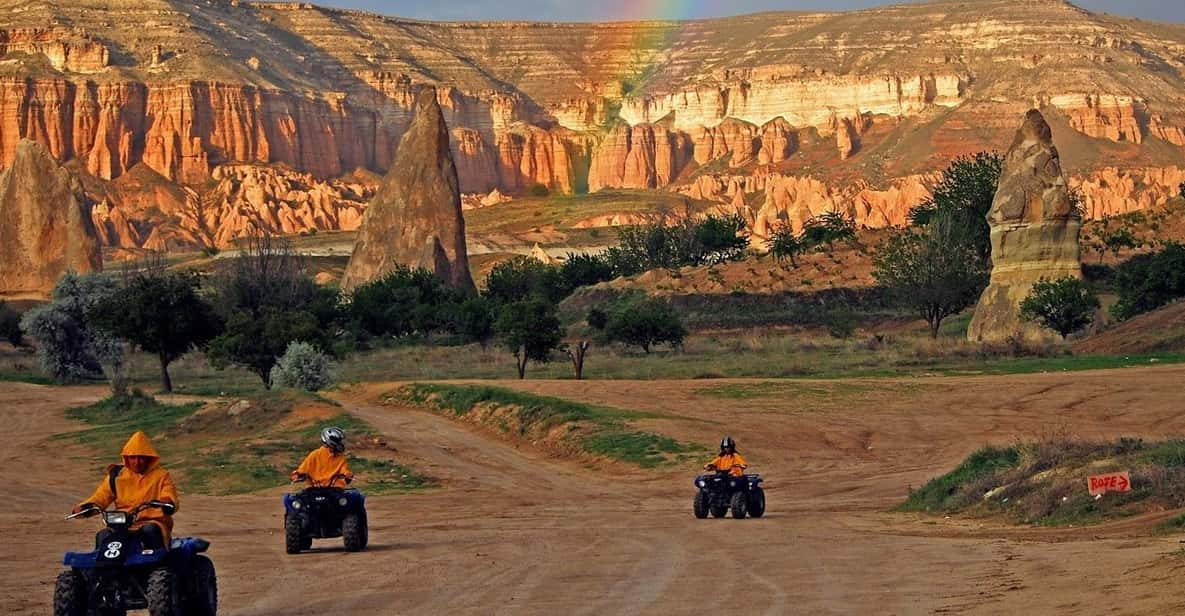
[720, 491]
[325, 512]
[121, 574]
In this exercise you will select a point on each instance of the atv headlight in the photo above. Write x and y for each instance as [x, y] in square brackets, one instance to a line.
[343, 501]
[700, 483]
[115, 517]
[296, 504]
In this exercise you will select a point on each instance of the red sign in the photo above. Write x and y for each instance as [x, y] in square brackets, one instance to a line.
[1111, 482]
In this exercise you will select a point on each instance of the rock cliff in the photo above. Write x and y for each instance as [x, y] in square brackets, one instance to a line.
[1034, 231]
[415, 219]
[45, 223]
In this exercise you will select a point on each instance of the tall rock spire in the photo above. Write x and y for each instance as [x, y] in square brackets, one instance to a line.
[415, 219]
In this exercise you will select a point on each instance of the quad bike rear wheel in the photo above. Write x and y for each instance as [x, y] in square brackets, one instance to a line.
[740, 505]
[202, 598]
[163, 593]
[700, 505]
[354, 532]
[69, 594]
[756, 503]
[294, 537]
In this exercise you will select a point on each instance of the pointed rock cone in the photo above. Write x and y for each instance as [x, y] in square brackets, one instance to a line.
[45, 223]
[415, 218]
[1034, 235]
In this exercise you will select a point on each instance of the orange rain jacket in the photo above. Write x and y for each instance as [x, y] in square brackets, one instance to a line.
[133, 489]
[734, 464]
[321, 465]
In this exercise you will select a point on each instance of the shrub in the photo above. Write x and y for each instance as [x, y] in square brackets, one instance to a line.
[70, 348]
[522, 278]
[718, 239]
[1148, 281]
[785, 245]
[580, 270]
[826, 229]
[473, 320]
[303, 366]
[1065, 305]
[403, 302]
[10, 326]
[540, 190]
[840, 321]
[645, 323]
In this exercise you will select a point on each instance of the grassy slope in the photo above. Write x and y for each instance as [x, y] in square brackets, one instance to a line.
[1044, 483]
[212, 451]
[588, 429]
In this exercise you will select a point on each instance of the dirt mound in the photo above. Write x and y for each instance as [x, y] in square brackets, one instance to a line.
[1159, 331]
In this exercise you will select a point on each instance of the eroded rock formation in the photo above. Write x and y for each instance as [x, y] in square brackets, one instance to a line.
[45, 223]
[415, 219]
[1034, 231]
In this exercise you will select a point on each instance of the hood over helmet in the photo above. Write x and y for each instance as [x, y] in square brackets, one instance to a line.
[140, 445]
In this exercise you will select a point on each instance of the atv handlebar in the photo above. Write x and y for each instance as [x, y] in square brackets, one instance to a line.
[299, 477]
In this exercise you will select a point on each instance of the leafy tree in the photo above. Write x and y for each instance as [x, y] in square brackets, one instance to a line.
[826, 229]
[935, 269]
[581, 270]
[403, 302]
[473, 319]
[645, 323]
[162, 314]
[966, 190]
[785, 245]
[70, 347]
[1065, 305]
[719, 239]
[303, 366]
[1148, 281]
[1118, 239]
[10, 326]
[530, 330]
[522, 278]
[268, 300]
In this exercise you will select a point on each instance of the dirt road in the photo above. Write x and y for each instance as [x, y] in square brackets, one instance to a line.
[513, 532]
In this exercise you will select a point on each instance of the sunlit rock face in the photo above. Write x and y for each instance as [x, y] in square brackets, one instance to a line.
[1034, 231]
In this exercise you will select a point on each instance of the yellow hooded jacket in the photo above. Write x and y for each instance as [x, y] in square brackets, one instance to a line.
[133, 489]
[734, 464]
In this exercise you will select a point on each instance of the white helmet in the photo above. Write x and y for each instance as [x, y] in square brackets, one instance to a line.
[334, 438]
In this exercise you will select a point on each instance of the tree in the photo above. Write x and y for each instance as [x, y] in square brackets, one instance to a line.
[966, 191]
[161, 313]
[267, 301]
[403, 302]
[577, 352]
[645, 323]
[1118, 239]
[1148, 281]
[936, 269]
[826, 229]
[784, 245]
[473, 319]
[70, 347]
[719, 239]
[1065, 305]
[580, 270]
[10, 326]
[530, 330]
[522, 278]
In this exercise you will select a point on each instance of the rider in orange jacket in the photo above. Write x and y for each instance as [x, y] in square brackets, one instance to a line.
[326, 466]
[729, 460]
[138, 481]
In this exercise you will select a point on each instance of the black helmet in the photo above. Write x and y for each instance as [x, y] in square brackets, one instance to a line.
[728, 443]
[334, 438]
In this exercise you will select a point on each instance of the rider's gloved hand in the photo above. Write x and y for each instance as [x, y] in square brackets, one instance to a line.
[296, 476]
[350, 478]
[89, 507]
[168, 507]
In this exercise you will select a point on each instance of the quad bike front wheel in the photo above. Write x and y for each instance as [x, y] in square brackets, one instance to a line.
[202, 598]
[740, 505]
[294, 538]
[700, 505]
[354, 532]
[756, 502]
[163, 593]
[69, 594]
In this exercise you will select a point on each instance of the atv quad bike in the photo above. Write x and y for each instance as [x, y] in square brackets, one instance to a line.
[720, 491]
[325, 512]
[121, 574]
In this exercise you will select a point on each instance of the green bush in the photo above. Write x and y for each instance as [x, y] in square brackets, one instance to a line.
[966, 191]
[302, 366]
[1065, 305]
[580, 270]
[70, 347]
[1148, 281]
[644, 323]
[403, 302]
[523, 278]
[785, 245]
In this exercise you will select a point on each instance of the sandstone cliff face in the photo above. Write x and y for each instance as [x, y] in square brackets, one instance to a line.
[1034, 230]
[45, 223]
[415, 219]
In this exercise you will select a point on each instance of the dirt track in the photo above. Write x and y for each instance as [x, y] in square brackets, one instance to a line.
[514, 532]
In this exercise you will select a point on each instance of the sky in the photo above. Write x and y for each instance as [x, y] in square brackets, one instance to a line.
[603, 10]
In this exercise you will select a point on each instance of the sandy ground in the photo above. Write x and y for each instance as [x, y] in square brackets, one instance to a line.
[515, 532]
